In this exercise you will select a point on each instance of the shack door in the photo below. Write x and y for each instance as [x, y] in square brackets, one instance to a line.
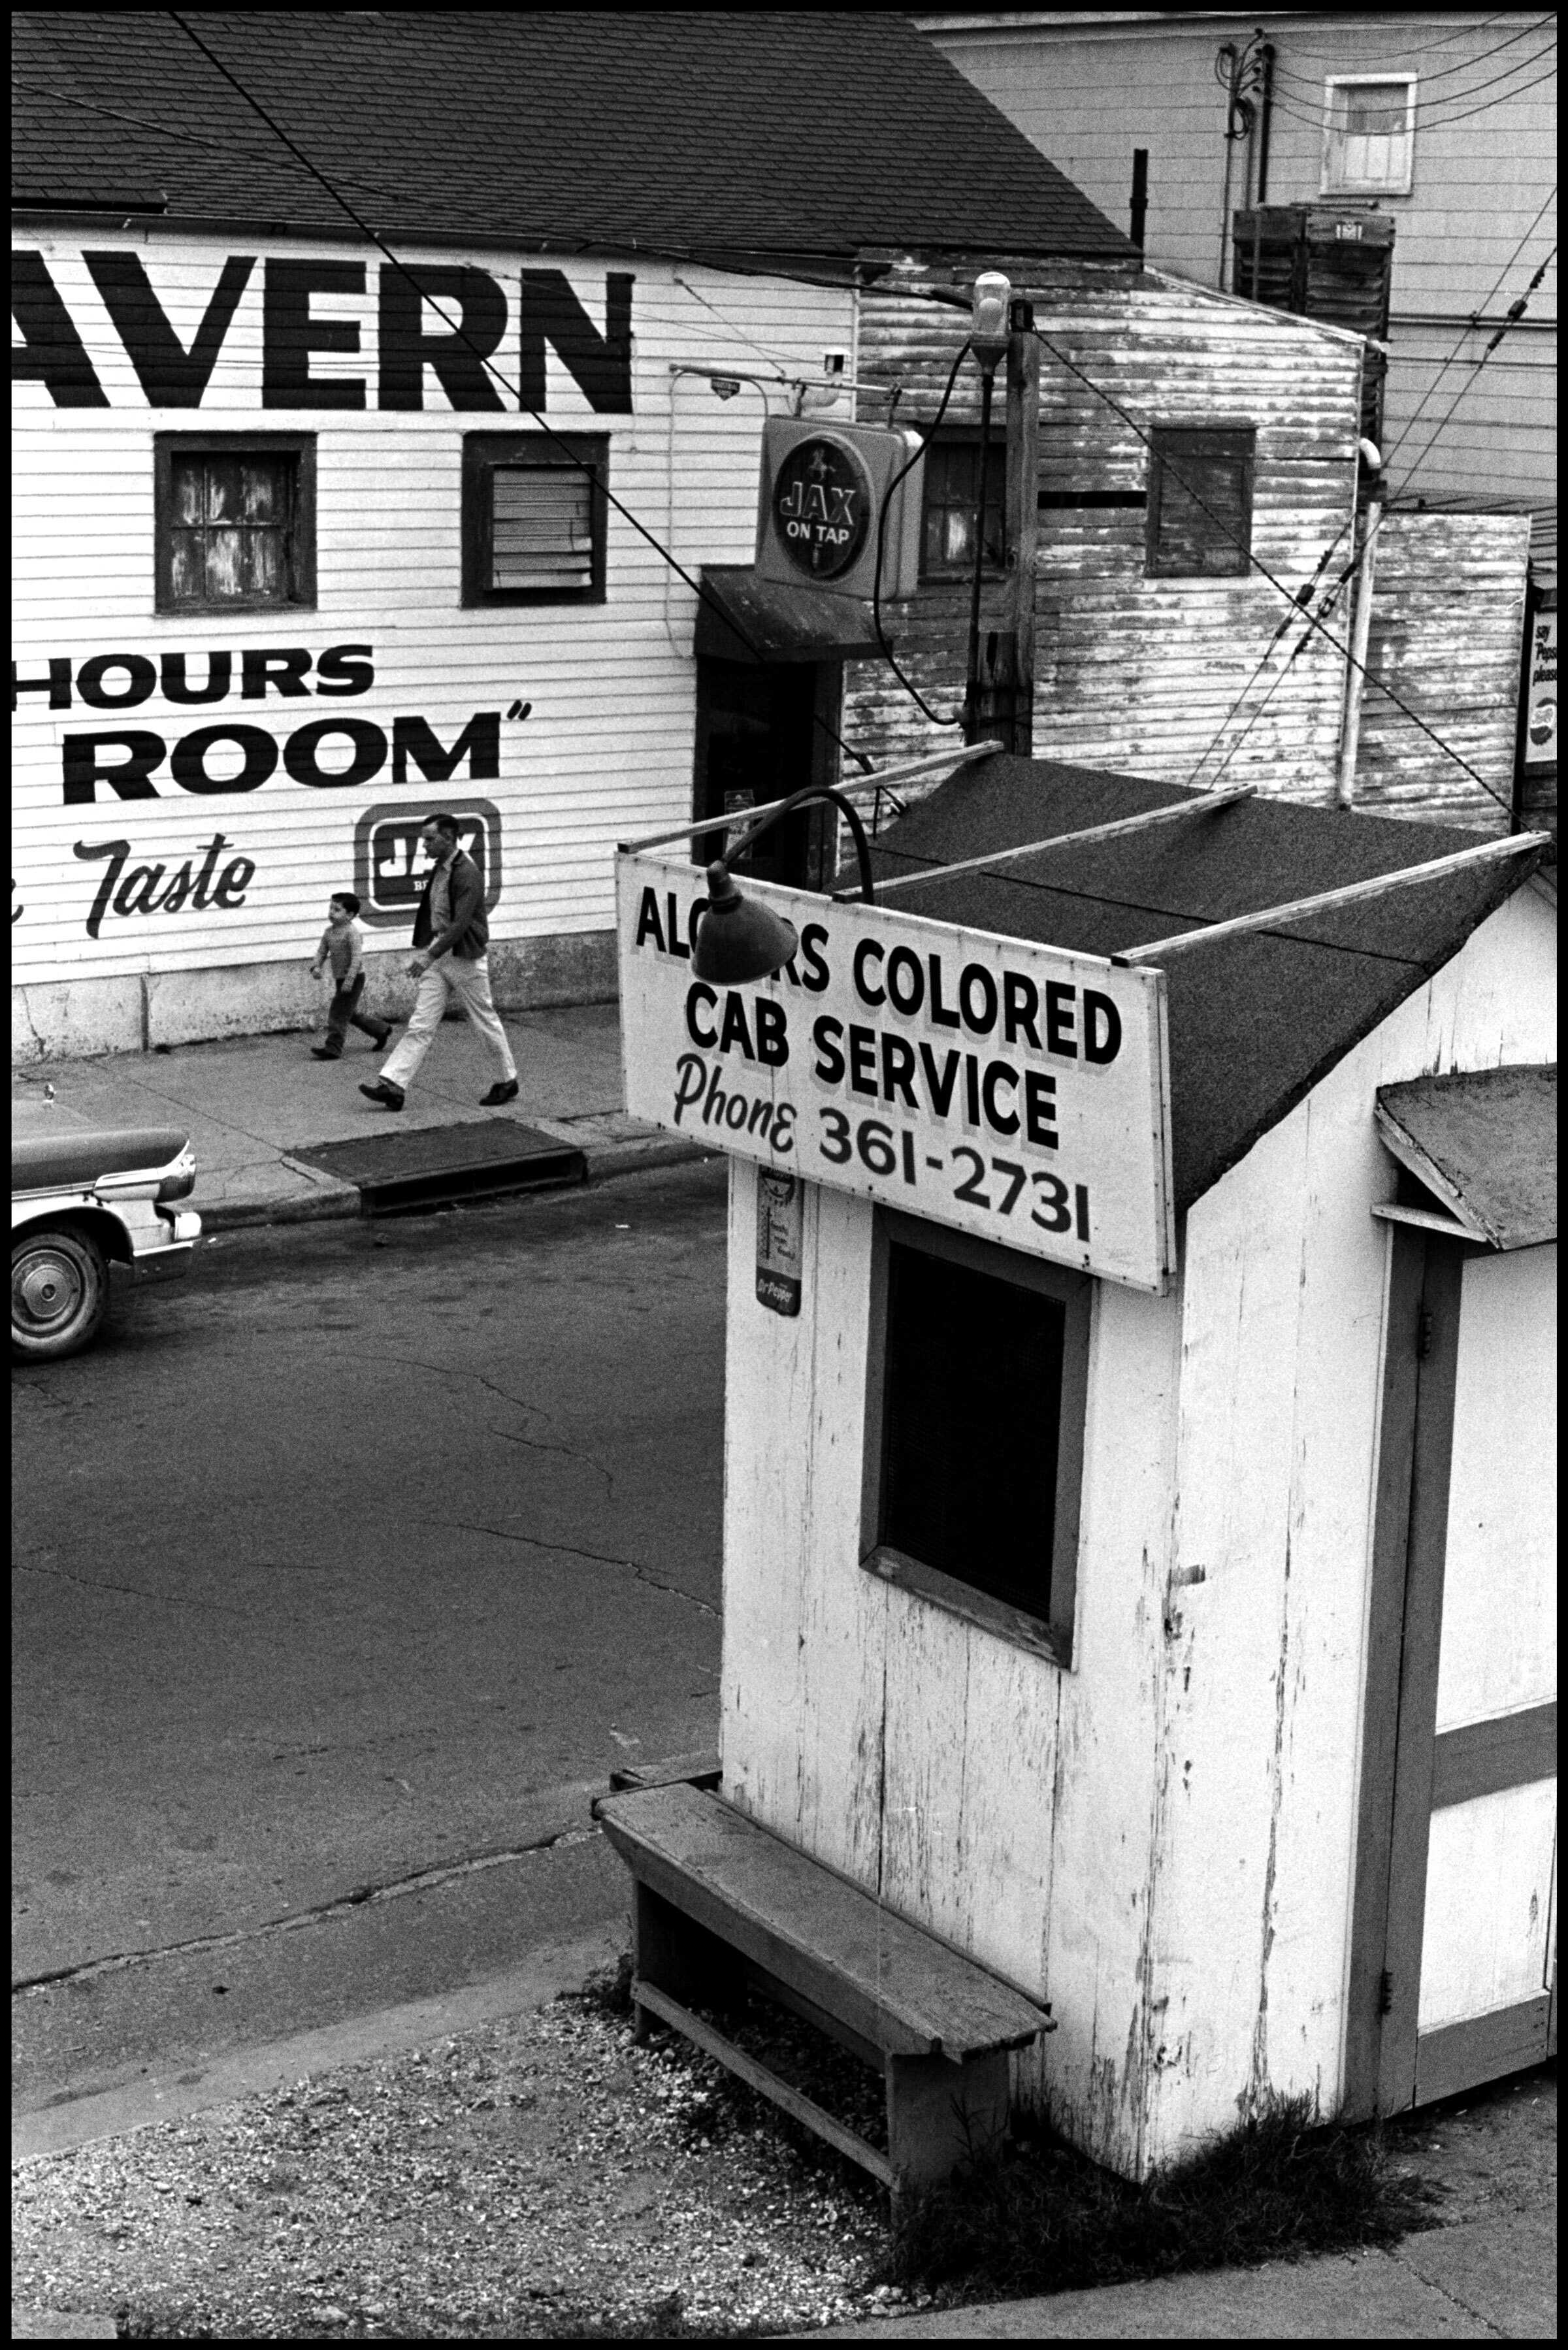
[1463, 1666]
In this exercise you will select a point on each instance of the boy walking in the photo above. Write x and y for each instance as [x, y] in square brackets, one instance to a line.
[452, 932]
[343, 947]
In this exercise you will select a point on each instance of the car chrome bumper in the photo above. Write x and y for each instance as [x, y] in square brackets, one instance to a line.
[159, 1256]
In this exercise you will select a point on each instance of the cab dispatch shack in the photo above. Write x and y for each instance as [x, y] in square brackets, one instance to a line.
[1167, 1633]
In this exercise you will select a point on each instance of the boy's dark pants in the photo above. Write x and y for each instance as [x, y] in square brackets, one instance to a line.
[343, 1014]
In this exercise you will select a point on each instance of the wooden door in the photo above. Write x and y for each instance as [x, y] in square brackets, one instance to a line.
[1453, 1976]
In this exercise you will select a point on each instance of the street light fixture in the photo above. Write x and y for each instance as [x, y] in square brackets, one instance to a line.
[988, 336]
[737, 938]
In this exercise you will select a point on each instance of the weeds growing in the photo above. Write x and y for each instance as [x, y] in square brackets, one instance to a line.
[1041, 2218]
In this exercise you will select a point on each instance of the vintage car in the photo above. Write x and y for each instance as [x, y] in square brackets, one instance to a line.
[82, 1197]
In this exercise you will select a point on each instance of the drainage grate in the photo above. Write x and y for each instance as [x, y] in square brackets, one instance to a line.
[480, 1160]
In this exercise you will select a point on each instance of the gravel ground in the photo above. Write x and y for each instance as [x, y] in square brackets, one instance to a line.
[540, 2176]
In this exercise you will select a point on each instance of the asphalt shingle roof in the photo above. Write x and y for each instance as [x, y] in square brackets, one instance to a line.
[1257, 1020]
[810, 134]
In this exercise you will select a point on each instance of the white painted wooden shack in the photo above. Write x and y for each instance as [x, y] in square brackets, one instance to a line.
[1256, 1786]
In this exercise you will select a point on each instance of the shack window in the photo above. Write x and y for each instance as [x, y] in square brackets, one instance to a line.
[1200, 501]
[234, 522]
[983, 1379]
[533, 518]
[951, 499]
[1369, 136]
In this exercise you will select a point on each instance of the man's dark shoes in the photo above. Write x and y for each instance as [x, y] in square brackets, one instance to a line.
[386, 1097]
[323, 1053]
[384, 1039]
[504, 1090]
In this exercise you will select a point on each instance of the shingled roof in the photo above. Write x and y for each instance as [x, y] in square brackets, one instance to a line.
[1256, 1020]
[811, 135]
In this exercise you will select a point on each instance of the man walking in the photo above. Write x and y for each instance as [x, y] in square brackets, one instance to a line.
[450, 935]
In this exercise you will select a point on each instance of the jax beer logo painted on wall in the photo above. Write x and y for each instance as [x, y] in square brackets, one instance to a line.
[822, 505]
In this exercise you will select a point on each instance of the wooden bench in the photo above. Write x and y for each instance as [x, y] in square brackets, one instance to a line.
[720, 1903]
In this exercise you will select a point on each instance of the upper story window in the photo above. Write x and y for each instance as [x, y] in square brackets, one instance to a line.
[1200, 501]
[1369, 135]
[533, 517]
[952, 498]
[235, 521]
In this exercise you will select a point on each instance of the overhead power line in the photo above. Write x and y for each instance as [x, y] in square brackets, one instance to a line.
[1516, 311]
[1285, 71]
[1481, 306]
[703, 595]
[1444, 41]
[1279, 585]
[1433, 117]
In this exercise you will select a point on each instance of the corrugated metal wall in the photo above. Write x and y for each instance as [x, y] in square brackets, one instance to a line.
[605, 750]
[1199, 681]
[1136, 674]
[1447, 612]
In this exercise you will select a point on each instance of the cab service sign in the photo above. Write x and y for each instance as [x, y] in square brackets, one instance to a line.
[1015, 1091]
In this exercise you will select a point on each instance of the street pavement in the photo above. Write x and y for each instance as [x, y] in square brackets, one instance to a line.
[251, 1102]
[347, 1568]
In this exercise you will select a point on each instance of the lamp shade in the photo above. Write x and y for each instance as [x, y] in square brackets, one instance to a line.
[737, 938]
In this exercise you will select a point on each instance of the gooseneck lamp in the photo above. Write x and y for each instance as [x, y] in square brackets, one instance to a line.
[739, 940]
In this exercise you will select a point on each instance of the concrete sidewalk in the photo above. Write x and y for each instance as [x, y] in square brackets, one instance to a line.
[251, 1102]
[1483, 2278]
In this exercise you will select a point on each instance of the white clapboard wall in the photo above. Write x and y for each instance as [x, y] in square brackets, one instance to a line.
[605, 750]
[1160, 1838]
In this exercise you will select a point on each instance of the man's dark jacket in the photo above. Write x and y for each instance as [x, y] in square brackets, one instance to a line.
[467, 934]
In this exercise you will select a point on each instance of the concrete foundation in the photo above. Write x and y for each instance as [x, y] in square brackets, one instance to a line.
[72, 1019]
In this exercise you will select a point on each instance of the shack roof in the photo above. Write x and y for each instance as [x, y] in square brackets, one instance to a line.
[805, 135]
[1256, 1020]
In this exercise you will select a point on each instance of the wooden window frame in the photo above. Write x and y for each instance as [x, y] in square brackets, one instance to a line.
[1049, 1636]
[965, 436]
[301, 447]
[1328, 184]
[482, 453]
[1160, 435]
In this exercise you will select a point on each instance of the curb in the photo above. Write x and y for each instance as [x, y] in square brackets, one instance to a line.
[63, 2325]
[332, 1202]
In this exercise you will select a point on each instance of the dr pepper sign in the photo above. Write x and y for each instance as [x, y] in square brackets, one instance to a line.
[1012, 1090]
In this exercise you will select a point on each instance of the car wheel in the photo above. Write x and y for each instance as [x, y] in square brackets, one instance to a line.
[60, 1288]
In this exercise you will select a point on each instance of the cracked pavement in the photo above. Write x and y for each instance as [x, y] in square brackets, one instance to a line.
[345, 1572]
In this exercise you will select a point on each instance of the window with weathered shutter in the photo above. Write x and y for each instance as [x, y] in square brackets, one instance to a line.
[541, 532]
[234, 522]
[1200, 501]
[533, 517]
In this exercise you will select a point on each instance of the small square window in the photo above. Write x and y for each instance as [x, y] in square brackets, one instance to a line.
[1369, 136]
[984, 1360]
[235, 520]
[1200, 501]
[951, 499]
[533, 517]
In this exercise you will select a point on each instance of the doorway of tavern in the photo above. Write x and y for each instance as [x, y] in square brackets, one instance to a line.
[1453, 1973]
[758, 739]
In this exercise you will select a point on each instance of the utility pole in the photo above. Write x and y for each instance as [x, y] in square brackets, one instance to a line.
[1003, 705]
